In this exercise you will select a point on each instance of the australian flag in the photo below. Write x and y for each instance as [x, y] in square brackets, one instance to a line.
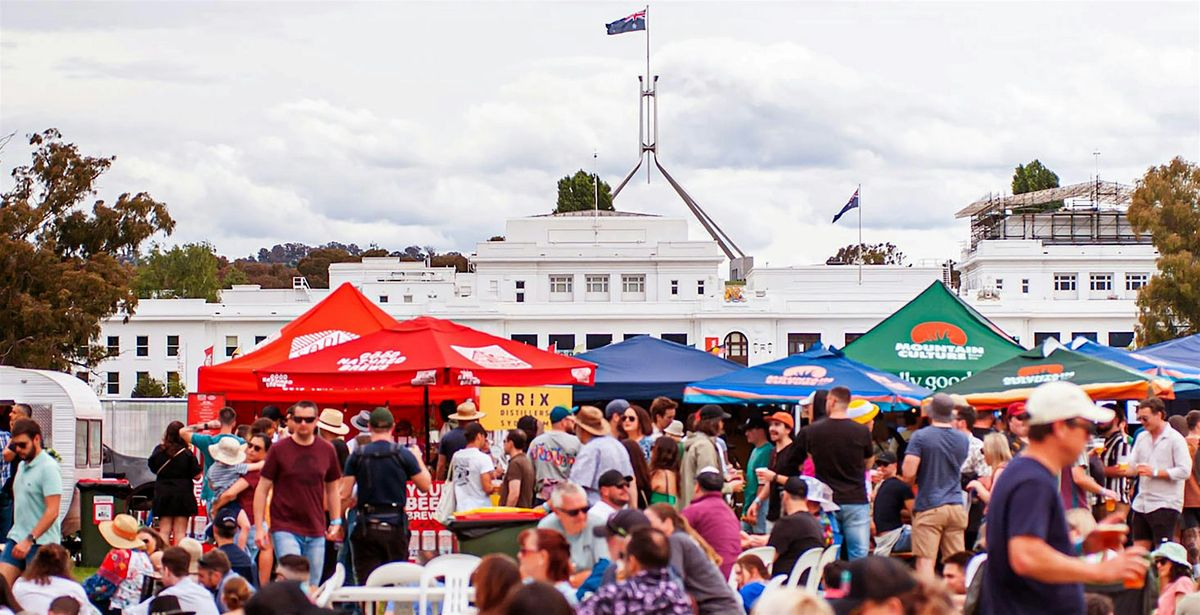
[633, 23]
[852, 204]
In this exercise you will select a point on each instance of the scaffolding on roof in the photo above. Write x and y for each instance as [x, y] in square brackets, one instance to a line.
[1097, 192]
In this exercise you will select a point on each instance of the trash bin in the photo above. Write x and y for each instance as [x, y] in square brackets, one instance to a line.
[99, 500]
[485, 531]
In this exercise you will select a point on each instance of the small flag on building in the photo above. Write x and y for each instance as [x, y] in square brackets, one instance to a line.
[208, 355]
[633, 23]
[852, 204]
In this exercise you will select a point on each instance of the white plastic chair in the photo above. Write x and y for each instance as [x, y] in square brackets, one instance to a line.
[395, 573]
[775, 583]
[808, 561]
[818, 573]
[766, 554]
[456, 568]
[334, 583]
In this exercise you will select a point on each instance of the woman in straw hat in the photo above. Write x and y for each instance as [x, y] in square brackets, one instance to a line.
[117, 584]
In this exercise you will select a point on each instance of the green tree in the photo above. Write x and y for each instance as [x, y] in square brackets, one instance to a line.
[149, 387]
[315, 266]
[1033, 177]
[189, 271]
[872, 254]
[64, 266]
[1166, 204]
[175, 388]
[578, 193]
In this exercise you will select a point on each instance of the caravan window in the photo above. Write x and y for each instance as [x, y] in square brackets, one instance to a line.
[94, 440]
[81, 443]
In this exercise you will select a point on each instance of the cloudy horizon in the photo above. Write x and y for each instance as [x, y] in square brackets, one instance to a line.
[432, 123]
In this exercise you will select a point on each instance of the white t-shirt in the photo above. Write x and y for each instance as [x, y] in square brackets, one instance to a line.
[469, 465]
[36, 598]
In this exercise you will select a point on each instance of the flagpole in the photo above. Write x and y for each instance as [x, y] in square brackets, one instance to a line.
[860, 243]
[648, 86]
[596, 182]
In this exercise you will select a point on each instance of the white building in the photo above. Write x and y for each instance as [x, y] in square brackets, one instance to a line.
[580, 281]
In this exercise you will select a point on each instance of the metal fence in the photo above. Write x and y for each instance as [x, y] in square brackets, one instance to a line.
[135, 426]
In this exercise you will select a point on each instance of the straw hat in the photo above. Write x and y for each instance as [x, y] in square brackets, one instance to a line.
[467, 412]
[591, 420]
[122, 532]
[195, 550]
[332, 421]
[228, 450]
[361, 421]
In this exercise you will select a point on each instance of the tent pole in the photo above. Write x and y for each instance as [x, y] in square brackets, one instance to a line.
[426, 412]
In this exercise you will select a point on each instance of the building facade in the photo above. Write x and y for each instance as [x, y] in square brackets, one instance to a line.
[580, 281]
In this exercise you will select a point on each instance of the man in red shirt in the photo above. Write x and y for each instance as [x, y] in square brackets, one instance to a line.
[712, 518]
[304, 470]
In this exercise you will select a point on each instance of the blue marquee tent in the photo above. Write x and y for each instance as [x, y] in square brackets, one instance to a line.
[646, 367]
[1185, 377]
[1184, 350]
[790, 380]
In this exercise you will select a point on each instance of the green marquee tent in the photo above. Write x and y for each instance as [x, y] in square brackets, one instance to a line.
[1014, 379]
[935, 340]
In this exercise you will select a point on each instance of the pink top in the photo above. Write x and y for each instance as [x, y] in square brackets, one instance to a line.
[1171, 593]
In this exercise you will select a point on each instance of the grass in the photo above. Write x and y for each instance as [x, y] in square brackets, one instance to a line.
[82, 572]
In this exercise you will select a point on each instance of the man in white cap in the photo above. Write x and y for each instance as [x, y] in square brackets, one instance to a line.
[455, 440]
[1032, 565]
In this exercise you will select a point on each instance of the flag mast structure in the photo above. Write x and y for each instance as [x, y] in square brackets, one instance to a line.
[858, 191]
[739, 262]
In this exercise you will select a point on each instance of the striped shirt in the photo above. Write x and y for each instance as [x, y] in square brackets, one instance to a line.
[1116, 447]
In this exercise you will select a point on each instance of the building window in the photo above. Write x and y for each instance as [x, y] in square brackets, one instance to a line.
[629, 336]
[1091, 335]
[114, 345]
[525, 338]
[143, 345]
[678, 338]
[674, 287]
[1120, 339]
[1101, 282]
[140, 377]
[408, 298]
[520, 286]
[383, 298]
[999, 284]
[1025, 286]
[633, 283]
[112, 383]
[700, 287]
[1040, 338]
[562, 284]
[850, 337]
[258, 339]
[597, 340]
[172, 345]
[562, 343]
[800, 342]
[1135, 281]
[737, 348]
[231, 345]
[172, 378]
[1064, 282]
[596, 283]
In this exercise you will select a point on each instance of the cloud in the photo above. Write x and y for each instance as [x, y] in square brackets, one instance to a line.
[138, 70]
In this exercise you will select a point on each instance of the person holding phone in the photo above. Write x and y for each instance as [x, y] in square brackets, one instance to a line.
[381, 470]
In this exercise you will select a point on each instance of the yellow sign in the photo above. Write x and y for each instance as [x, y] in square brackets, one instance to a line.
[503, 406]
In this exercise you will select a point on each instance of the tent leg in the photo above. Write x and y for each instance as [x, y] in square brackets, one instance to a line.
[425, 410]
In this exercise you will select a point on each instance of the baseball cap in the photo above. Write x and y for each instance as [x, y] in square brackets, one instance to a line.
[559, 413]
[712, 411]
[622, 523]
[862, 411]
[796, 487]
[227, 523]
[710, 479]
[615, 406]
[885, 458]
[1017, 408]
[613, 478]
[874, 578]
[754, 422]
[381, 417]
[1061, 401]
[782, 417]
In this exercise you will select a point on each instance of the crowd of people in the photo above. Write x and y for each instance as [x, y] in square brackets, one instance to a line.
[949, 510]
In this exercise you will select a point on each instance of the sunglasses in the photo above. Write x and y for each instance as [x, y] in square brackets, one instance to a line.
[573, 512]
[630, 419]
[255, 447]
[20, 446]
[304, 419]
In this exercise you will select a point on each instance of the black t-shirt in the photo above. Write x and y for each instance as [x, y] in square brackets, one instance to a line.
[793, 535]
[786, 462]
[381, 471]
[839, 450]
[1025, 502]
[889, 501]
[451, 443]
[342, 449]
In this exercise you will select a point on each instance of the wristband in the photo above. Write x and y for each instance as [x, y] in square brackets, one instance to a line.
[335, 522]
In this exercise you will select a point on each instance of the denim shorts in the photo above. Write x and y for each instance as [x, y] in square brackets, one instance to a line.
[8, 558]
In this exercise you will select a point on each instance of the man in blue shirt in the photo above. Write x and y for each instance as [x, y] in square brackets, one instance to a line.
[37, 495]
[1031, 567]
[933, 461]
[225, 424]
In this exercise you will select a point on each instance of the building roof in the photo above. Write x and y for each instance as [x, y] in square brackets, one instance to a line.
[1110, 193]
[602, 213]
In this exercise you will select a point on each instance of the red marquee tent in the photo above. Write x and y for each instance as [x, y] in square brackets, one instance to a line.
[423, 352]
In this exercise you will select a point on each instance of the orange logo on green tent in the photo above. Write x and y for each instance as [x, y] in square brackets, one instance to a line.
[1037, 374]
[940, 341]
[801, 375]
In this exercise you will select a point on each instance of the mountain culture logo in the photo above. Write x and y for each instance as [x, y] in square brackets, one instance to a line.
[801, 375]
[940, 341]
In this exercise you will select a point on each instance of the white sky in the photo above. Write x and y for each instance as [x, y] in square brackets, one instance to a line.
[430, 123]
